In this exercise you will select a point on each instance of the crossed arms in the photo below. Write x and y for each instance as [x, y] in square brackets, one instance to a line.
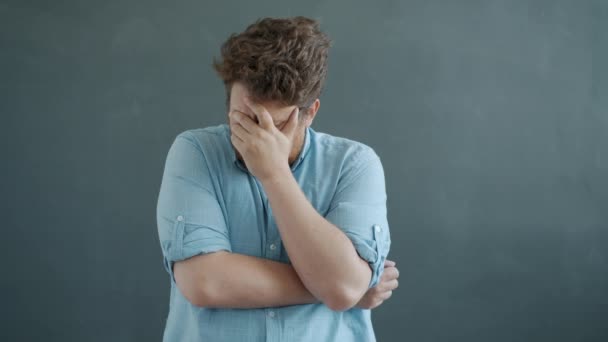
[332, 261]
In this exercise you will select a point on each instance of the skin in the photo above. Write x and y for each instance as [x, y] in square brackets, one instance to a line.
[280, 115]
[268, 138]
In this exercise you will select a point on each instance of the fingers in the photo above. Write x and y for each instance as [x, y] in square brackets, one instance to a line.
[292, 123]
[386, 295]
[390, 273]
[262, 114]
[392, 284]
[238, 130]
[248, 124]
[237, 142]
[389, 263]
[388, 285]
[384, 289]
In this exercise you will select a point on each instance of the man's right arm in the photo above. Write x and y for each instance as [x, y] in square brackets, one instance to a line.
[196, 246]
[229, 280]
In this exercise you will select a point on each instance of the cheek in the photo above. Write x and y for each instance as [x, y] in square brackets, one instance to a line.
[295, 140]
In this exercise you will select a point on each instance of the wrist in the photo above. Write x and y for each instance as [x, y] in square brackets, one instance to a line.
[277, 177]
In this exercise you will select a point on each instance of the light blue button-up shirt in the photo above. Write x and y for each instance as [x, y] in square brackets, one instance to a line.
[208, 201]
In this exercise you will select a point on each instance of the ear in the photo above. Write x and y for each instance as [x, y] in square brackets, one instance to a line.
[312, 112]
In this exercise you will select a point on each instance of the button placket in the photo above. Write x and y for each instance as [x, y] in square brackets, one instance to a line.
[273, 246]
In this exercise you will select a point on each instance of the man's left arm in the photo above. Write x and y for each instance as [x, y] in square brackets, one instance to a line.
[340, 257]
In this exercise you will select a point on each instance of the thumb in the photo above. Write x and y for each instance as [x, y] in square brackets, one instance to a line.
[290, 128]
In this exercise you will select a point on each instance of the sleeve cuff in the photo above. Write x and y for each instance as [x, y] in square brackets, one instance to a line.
[191, 240]
[373, 251]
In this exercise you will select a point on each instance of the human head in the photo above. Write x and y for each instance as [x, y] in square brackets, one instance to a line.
[280, 63]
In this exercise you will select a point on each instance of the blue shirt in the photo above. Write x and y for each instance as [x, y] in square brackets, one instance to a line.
[208, 201]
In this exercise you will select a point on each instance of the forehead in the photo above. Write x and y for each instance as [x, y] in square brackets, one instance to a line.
[276, 110]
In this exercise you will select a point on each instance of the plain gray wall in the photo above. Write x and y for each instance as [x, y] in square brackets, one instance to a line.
[490, 118]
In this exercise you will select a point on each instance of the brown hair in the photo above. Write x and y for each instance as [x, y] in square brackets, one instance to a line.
[282, 60]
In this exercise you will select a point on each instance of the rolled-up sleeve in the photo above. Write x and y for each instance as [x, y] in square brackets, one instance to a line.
[189, 218]
[358, 208]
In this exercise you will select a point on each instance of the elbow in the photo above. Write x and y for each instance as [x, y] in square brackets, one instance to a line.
[197, 279]
[192, 293]
[339, 304]
[192, 286]
[200, 296]
[344, 295]
[343, 298]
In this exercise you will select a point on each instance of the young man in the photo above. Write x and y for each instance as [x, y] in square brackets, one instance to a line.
[270, 230]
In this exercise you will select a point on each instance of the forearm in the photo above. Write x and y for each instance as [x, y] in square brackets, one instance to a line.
[322, 255]
[230, 280]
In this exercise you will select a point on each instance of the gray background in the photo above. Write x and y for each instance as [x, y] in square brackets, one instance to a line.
[490, 118]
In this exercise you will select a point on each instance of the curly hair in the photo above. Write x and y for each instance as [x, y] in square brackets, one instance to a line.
[277, 59]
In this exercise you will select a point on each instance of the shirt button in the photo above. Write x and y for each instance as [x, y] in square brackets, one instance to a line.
[180, 218]
[377, 228]
[273, 247]
[271, 314]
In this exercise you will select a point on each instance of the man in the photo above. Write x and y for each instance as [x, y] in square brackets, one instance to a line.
[270, 230]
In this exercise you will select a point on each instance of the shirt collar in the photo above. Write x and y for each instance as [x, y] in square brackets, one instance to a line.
[293, 166]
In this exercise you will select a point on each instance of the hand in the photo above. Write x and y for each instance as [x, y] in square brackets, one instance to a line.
[383, 291]
[265, 148]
